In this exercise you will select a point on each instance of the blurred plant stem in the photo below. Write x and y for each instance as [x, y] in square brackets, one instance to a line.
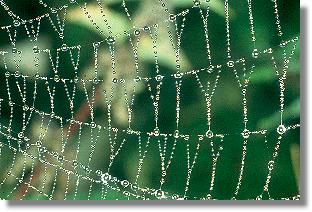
[295, 159]
[81, 116]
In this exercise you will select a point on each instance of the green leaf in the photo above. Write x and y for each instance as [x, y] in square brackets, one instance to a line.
[120, 22]
[26, 57]
[165, 53]
[216, 6]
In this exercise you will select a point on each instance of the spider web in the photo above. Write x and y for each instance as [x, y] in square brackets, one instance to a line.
[58, 160]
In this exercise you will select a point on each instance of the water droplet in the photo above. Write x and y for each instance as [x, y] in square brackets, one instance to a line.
[255, 53]
[25, 108]
[126, 193]
[156, 132]
[20, 135]
[110, 40]
[75, 163]
[88, 171]
[17, 74]
[14, 50]
[53, 10]
[159, 194]
[271, 165]
[56, 78]
[137, 32]
[137, 79]
[246, 134]
[64, 47]
[176, 134]
[172, 17]
[38, 143]
[159, 77]
[60, 158]
[209, 196]
[230, 64]
[93, 125]
[106, 177]
[178, 75]
[76, 79]
[197, 3]
[125, 183]
[16, 23]
[36, 49]
[281, 129]
[209, 134]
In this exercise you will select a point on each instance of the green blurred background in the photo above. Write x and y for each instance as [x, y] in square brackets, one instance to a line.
[262, 96]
